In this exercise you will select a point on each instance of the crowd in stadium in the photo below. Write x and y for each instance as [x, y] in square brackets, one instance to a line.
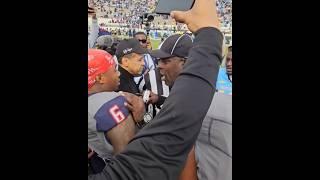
[131, 75]
[125, 15]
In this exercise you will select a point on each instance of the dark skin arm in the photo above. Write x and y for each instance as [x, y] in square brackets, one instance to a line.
[121, 134]
[189, 171]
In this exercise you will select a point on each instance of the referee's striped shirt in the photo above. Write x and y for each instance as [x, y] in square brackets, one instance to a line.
[152, 81]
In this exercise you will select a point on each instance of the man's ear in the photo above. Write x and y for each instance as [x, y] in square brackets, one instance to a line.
[124, 61]
[99, 78]
[183, 61]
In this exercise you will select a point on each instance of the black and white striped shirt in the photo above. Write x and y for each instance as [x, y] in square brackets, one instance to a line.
[152, 81]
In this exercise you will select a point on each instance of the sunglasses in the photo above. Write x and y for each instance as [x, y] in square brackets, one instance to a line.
[143, 40]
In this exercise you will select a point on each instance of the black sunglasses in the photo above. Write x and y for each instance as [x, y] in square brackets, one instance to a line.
[143, 40]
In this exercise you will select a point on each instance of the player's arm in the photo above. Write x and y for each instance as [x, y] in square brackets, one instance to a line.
[120, 135]
[115, 120]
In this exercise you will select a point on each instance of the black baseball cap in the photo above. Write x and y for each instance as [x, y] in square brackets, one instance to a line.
[129, 46]
[175, 45]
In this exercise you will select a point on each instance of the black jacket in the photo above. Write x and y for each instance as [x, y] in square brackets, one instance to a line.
[127, 83]
[160, 149]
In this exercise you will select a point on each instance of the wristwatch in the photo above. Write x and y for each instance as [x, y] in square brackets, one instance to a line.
[147, 118]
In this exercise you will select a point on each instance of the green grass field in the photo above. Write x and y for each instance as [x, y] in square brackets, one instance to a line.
[155, 43]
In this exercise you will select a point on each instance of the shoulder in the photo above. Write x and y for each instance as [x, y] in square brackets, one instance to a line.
[100, 98]
[103, 99]
[107, 109]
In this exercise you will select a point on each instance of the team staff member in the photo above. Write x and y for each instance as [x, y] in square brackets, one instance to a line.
[130, 57]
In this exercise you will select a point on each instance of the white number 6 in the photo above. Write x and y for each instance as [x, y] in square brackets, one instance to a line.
[116, 114]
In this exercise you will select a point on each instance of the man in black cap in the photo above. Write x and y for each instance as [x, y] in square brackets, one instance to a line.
[217, 124]
[172, 55]
[130, 57]
[171, 58]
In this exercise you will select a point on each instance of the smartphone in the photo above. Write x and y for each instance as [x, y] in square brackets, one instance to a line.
[166, 6]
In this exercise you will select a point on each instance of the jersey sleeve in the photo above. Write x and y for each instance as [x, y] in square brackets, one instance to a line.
[111, 113]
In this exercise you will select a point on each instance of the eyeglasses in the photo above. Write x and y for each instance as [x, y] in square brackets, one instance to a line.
[142, 40]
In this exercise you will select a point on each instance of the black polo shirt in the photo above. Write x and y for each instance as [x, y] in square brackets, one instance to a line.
[127, 83]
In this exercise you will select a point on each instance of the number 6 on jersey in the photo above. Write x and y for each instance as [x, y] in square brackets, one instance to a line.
[116, 114]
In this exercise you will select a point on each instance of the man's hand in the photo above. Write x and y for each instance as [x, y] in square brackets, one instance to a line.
[135, 105]
[153, 98]
[203, 14]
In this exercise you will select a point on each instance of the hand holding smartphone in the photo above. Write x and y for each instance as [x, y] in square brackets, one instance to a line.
[202, 14]
[166, 6]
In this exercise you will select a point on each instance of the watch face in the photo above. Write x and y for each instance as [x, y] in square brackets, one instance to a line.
[147, 117]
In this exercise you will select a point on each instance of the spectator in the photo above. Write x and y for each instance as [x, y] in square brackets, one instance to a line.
[104, 42]
[131, 10]
[102, 32]
[107, 43]
[93, 35]
[130, 33]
